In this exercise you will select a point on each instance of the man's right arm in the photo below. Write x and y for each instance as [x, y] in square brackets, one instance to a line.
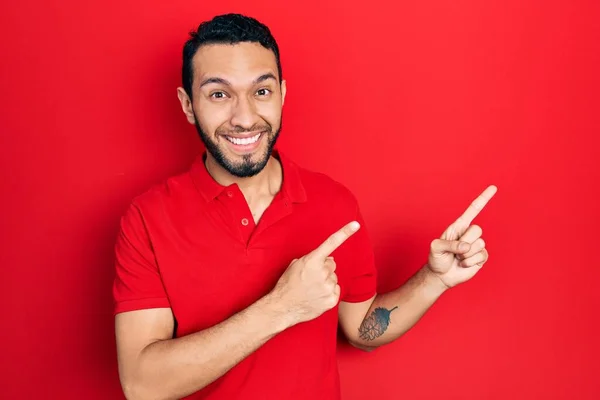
[153, 365]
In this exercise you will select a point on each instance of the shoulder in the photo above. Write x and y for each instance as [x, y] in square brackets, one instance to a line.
[161, 197]
[322, 187]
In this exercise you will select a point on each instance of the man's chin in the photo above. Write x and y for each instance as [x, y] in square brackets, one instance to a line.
[243, 166]
[245, 170]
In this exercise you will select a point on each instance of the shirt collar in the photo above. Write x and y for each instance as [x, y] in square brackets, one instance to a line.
[210, 189]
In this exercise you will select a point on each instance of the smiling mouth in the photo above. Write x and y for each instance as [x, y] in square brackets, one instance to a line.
[244, 141]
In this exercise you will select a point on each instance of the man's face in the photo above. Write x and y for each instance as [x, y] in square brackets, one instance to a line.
[236, 105]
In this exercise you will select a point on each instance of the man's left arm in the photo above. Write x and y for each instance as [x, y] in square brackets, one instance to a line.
[387, 316]
[454, 258]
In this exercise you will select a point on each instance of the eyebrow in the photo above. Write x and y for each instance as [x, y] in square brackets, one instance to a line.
[264, 77]
[225, 82]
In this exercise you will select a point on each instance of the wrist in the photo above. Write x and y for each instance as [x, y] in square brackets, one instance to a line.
[279, 315]
[433, 283]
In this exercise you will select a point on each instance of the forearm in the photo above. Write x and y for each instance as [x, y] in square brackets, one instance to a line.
[394, 313]
[175, 368]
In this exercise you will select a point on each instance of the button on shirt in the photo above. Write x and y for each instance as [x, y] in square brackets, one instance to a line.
[191, 244]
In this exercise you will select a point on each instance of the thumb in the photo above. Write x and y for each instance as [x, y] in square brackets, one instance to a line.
[441, 246]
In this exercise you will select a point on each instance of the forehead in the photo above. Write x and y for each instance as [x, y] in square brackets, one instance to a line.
[240, 62]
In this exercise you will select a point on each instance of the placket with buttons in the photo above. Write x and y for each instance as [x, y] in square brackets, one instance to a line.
[240, 212]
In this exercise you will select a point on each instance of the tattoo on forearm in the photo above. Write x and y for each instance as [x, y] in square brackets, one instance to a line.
[375, 324]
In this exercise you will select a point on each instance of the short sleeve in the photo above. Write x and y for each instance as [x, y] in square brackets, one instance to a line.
[356, 265]
[138, 284]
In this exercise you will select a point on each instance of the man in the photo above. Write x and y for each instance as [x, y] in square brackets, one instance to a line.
[232, 278]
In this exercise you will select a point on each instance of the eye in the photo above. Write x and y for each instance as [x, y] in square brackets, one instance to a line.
[263, 92]
[218, 95]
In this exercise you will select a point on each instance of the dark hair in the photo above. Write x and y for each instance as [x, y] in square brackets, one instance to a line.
[225, 29]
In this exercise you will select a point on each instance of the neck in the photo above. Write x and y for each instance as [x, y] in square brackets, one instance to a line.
[266, 182]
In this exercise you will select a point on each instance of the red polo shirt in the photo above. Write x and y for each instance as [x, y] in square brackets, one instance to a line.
[191, 244]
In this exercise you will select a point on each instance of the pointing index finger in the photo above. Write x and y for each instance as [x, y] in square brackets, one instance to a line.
[336, 240]
[477, 205]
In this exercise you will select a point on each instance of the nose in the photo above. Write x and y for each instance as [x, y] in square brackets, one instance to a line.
[244, 113]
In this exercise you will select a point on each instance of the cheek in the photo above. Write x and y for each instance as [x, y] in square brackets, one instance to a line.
[211, 118]
[271, 113]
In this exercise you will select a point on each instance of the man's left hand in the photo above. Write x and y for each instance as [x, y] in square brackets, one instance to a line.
[460, 252]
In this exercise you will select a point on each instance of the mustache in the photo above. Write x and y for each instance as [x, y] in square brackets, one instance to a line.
[240, 129]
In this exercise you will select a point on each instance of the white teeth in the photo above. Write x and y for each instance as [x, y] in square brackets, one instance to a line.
[243, 141]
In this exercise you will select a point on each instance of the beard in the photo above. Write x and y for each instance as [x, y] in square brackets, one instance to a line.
[247, 167]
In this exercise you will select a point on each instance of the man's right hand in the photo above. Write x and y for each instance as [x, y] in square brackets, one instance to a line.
[309, 286]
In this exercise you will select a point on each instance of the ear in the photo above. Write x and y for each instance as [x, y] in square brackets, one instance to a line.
[283, 91]
[186, 105]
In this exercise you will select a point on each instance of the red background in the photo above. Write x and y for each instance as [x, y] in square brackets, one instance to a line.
[416, 107]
